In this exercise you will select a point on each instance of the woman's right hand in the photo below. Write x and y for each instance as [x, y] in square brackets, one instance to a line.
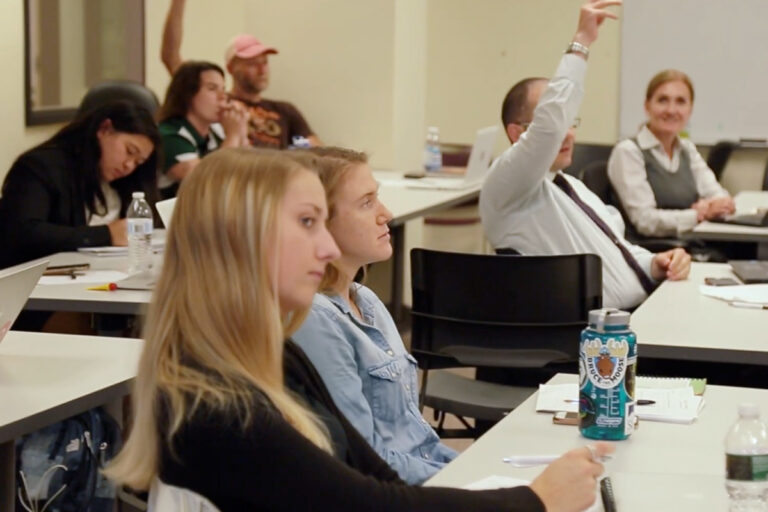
[118, 231]
[570, 483]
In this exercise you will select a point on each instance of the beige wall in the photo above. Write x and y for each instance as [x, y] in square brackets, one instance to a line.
[16, 137]
[478, 50]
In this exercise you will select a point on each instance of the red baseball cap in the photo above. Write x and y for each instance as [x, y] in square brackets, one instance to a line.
[246, 46]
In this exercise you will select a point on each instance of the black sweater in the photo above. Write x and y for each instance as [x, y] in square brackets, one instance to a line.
[42, 210]
[270, 466]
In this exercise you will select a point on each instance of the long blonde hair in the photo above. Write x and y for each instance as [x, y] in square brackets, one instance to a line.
[214, 330]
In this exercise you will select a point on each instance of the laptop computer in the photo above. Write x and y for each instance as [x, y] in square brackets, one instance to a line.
[759, 219]
[750, 271]
[16, 283]
[477, 167]
[165, 209]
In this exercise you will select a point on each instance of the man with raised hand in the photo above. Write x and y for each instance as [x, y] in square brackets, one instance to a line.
[528, 204]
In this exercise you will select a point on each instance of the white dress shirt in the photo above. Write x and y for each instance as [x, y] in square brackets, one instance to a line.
[113, 207]
[626, 170]
[521, 208]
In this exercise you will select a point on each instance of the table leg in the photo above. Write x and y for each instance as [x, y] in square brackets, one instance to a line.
[397, 234]
[7, 476]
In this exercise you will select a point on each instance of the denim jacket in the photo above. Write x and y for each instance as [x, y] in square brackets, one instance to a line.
[373, 381]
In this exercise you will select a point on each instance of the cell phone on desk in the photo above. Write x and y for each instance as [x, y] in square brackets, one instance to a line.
[720, 281]
[565, 418]
[414, 175]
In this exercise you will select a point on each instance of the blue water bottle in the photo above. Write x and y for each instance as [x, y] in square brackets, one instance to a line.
[607, 368]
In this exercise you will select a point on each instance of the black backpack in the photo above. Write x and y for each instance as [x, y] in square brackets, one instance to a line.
[58, 467]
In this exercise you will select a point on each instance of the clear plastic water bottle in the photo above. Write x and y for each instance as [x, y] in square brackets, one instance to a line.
[746, 462]
[139, 225]
[433, 157]
[607, 369]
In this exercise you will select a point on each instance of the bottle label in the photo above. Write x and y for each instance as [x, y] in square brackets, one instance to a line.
[748, 468]
[139, 226]
[606, 363]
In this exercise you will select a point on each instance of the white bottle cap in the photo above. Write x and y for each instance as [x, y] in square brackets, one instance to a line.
[138, 195]
[749, 411]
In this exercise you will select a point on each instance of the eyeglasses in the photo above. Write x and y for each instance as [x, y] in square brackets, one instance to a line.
[575, 125]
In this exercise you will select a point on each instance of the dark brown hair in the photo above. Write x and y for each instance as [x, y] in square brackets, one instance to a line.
[515, 108]
[183, 87]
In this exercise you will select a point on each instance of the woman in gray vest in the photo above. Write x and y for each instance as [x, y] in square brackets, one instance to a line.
[661, 179]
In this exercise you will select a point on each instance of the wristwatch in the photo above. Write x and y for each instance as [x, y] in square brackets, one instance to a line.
[575, 47]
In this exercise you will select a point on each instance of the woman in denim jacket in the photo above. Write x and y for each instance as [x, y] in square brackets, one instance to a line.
[350, 336]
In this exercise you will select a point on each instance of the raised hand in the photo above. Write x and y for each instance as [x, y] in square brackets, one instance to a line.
[591, 16]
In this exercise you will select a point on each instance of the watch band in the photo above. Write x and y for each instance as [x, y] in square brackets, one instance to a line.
[575, 47]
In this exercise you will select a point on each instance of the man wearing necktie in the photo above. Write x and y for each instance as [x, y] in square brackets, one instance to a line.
[528, 204]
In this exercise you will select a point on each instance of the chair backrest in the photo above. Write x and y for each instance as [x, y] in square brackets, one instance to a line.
[118, 90]
[501, 302]
[719, 155]
[595, 177]
[168, 498]
[585, 154]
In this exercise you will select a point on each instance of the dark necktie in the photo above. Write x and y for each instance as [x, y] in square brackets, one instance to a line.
[566, 187]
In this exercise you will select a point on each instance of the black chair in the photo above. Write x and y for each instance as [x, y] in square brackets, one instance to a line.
[585, 154]
[595, 177]
[719, 155]
[517, 313]
[118, 90]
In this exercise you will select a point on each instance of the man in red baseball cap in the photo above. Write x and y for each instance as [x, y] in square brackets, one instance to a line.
[274, 124]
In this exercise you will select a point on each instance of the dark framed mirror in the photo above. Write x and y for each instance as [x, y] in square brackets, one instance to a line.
[71, 45]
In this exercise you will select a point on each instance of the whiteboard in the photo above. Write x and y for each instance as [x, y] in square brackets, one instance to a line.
[721, 44]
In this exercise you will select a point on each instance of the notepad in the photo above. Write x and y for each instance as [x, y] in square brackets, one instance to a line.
[673, 405]
[755, 293]
[500, 482]
[678, 400]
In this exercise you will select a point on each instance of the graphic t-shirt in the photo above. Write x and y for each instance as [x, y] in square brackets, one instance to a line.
[273, 124]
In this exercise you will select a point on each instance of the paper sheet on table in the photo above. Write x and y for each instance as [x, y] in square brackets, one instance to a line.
[757, 293]
[88, 277]
[558, 397]
[499, 482]
[678, 405]
[673, 405]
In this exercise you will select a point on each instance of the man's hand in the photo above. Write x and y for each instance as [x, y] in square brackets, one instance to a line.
[674, 265]
[591, 16]
[570, 482]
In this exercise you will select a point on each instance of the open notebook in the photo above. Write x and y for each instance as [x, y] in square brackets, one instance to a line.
[676, 399]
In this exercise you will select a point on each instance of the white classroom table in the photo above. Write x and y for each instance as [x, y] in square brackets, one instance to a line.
[404, 203]
[661, 467]
[746, 202]
[677, 322]
[45, 378]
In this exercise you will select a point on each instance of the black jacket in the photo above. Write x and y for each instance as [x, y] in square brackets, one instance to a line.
[270, 466]
[42, 209]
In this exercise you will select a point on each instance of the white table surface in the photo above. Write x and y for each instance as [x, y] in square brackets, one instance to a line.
[76, 296]
[746, 202]
[45, 378]
[678, 322]
[661, 467]
[48, 377]
[410, 203]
